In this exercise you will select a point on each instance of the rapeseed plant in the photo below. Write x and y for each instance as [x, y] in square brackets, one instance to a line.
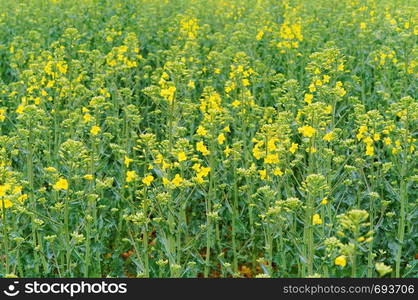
[208, 138]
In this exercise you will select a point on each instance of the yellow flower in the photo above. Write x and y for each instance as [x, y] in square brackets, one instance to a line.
[159, 159]
[61, 184]
[17, 189]
[177, 180]
[165, 181]
[7, 203]
[130, 175]
[256, 150]
[127, 161]
[383, 269]
[363, 26]
[278, 172]
[312, 88]
[147, 180]
[20, 109]
[200, 146]
[308, 98]
[271, 145]
[361, 131]
[271, 159]
[204, 171]
[307, 131]
[2, 116]
[95, 130]
[324, 201]
[387, 141]
[165, 165]
[340, 261]
[221, 139]
[263, 174]
[316, 219]
[22, 198]
[3, 189]
[168, 93]
[339, 88]
[328, 109]
[236, 103]
[196, 167]
[181, 156]
[87, 118]
[191, 84]
[369, 150]
[50, 83]
[293, 148]
[368, 141]
[62, 68]
[259, 35]
[328, 137]
[51, 169]
[88, 177]
[227, 151]
[311, 150]
[376, 137]
[201, 173]
[199, 179]
[165, 76]
[201, 131]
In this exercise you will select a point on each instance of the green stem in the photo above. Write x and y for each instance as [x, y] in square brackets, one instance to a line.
[401, 228]
[209, 207]
[234, 218]
[309, 234]
[354, 256]
[145, 236]
[88, 238]
[5, 237]
[67, 233]
[32, 199]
